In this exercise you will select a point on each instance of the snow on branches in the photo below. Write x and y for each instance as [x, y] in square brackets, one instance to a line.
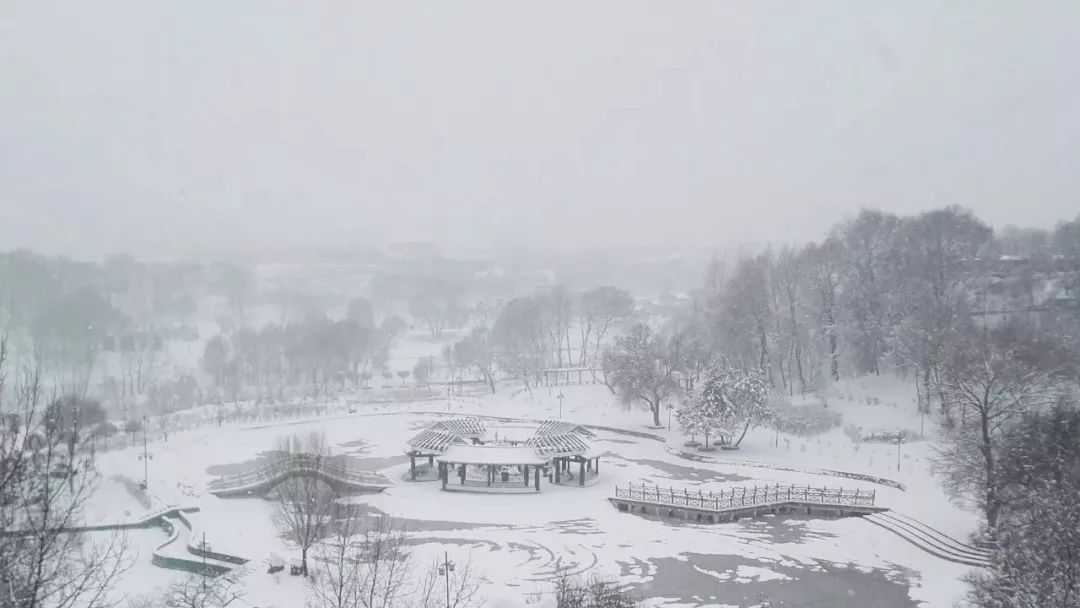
[728, 401]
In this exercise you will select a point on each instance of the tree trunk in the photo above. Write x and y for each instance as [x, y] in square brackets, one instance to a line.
[993, 502]
[744, 430]
[834, 358]
[655, 407]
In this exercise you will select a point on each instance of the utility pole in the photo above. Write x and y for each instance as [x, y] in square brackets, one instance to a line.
[445, 570]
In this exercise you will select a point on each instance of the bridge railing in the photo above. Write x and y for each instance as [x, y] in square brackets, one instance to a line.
[299, 463]
[745, 496]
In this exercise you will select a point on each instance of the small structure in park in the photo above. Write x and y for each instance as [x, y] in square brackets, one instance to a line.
[503, 456]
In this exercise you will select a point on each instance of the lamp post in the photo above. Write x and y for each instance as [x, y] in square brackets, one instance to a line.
[445, 570]
[560, 398]
[899, 440]
[145, 457]
[670, 407]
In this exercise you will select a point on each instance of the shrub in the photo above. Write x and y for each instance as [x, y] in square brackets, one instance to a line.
[805, 421]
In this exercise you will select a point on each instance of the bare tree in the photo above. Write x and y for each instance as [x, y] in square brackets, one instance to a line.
[365, 564]
[461, 591]
[643, 367]
[600, 309]
[591, 593]
[477, 352]
[305, 503]
[200, 591]
[42, 492]
[992, 384]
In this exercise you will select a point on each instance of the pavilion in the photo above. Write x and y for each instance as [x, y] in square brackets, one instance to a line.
[505, 456]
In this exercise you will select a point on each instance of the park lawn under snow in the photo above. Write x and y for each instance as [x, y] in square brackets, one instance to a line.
[519, 541]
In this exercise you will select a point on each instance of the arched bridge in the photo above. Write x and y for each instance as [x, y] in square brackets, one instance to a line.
[335, 472]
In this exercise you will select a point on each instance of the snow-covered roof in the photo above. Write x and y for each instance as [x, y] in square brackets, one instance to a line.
[492, 454]
[466, 427]
[560, 427]
[565, 444]
[435, 442]
[539, 440]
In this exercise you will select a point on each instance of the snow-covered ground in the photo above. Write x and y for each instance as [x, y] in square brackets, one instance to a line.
[520, 541]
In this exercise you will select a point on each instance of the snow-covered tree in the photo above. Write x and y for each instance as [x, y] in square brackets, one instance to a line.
[729, 401]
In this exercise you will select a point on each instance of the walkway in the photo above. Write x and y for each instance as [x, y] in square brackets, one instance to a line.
[184, 552]
[261, 480]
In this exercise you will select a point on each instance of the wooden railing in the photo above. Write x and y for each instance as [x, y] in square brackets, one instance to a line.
[745, 496]
[299, 464]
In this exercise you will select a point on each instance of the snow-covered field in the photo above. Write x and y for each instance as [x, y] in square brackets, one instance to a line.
[519, 542]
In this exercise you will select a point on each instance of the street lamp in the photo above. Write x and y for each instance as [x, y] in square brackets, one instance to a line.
[899, 440]
[560, 398]
[670, 407]
[444, 570]
[145, 456]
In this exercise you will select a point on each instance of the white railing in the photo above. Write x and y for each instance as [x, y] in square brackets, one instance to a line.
[302, 464]
[745, 496]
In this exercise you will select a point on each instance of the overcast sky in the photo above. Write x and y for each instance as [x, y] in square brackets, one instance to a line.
[143, 125]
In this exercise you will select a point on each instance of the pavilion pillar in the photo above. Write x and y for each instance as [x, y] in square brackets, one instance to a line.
[461, 472]
[443, 473]
[526, 476]
[490, 474]
[588, 465]
[537, 478]
[581, 475]
[430, 460]
[597, 467]
[558, 469]
[412, 466]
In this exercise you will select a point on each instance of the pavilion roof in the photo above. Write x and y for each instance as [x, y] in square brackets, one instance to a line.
[563, 444]
[434, 441]
[492, 454]
[561, 427]
[467, 427]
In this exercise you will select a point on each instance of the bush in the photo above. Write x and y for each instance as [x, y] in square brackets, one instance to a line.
[886, 435]
[805, 421]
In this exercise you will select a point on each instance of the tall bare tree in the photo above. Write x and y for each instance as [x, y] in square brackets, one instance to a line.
[364, 564]
[644, 366]
[42, 493]
[305, 503]
[992, 383]
[601, 308]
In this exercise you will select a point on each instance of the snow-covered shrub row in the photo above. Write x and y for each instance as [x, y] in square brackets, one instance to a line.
[805, 421]
[879, 435]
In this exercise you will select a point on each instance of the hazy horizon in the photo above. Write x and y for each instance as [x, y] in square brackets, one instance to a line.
[165, 128]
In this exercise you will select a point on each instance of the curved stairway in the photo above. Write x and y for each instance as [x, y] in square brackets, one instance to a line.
[930, 540]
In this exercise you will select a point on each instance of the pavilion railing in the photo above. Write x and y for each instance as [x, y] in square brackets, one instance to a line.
[304, 464]
[745, 496]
